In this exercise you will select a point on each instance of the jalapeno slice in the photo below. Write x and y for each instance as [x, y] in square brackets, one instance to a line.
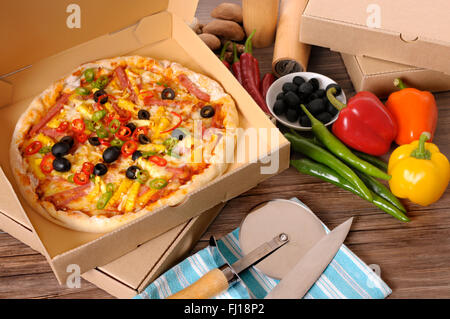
[158, 183]
[103, 200]
[142, 176]
[102, 132]
[89, 75]
[97, 116]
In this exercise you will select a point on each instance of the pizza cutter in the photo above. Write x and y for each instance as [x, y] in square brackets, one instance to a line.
[274, 238]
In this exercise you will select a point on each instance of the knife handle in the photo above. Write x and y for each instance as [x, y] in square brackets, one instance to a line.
[208, 286]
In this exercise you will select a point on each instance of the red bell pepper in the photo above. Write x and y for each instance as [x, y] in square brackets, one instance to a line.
[364, 124]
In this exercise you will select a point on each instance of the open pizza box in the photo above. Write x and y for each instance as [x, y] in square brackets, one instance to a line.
[160, 34]
[402, 31]
[377, 76]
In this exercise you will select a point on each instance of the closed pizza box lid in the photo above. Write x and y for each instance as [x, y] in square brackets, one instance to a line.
[175, 41]
[377, 76]
[403, 31]
[33, 30]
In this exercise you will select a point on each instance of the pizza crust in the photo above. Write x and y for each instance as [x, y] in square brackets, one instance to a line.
[79, 221]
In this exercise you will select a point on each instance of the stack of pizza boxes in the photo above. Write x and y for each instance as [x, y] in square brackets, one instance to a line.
[382, 40]
[50, 39]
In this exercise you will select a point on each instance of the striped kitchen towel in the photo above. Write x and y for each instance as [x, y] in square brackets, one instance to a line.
[346, 276]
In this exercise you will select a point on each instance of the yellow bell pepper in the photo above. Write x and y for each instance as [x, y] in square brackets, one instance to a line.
[419, 172]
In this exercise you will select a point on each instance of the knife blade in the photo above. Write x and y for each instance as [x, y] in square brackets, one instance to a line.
[305, 273]
[218, 279]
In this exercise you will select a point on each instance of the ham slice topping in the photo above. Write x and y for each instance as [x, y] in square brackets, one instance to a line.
[51, 113]
[192, 88]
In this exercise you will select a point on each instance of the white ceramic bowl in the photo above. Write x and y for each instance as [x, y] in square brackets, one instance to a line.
[276, 88]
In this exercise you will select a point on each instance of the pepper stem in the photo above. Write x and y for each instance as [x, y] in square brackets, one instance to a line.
[421, 152]
[399, 84]
[224, 49]
[333, 100]
[248, 43]
[235, 56]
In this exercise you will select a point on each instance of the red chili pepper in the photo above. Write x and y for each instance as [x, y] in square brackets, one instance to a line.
[158, 160]
[78, 126]
[123, 133]
[33, 148]
[248, 75]
[47, 163]
[364, 124]
[125, 116]
[236, 66]
[81, 137]
[266, 82]
[87, 168]
[222, 54]
[105, 141]
[138, 131]
[129, 147]
[81, 178]
[180, 119]
[62, 127]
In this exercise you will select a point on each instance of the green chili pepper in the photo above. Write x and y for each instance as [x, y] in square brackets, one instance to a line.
[372, 160]
[117, 142]
[45, 150]
[333, 144]
[110, 187]
[70, 178]
[142, 176]
[90, 125]
[82, 90]
[158, 183]
[381, 190]
[89, 75]
[114, 126]
[102, 132]
[101, 82]
[321, 155]
[321, 171]
[103, 200]
[148, 154]
[92, 178]
[170, 143]
[97, 116]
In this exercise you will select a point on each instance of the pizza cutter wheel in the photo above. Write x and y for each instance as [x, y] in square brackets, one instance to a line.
[274, 217]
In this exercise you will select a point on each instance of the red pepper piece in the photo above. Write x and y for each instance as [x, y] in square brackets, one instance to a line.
[129, 147]
[47, 163]
[364, 124]
[81, 178]
[236, 66]
[87, 168]
[158, 160]
[266, 82]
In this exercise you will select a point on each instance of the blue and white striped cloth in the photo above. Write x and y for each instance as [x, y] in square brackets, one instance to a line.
[346, 276]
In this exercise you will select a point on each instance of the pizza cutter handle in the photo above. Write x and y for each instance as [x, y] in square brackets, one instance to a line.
[208, 286]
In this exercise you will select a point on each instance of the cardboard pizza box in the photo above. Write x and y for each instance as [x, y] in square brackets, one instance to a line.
[377, 76]
[162, 35]
[403, 31]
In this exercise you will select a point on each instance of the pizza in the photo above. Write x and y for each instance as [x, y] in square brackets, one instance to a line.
[119, 138]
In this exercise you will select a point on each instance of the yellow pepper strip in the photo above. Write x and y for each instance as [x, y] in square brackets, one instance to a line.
[144, 198]
[45, 140]
[35, 166]
[131, 197]
[419, 172]
[123, 187]
[127, 105]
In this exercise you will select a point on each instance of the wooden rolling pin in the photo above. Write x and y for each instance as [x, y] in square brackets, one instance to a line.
[260, 15]
[289, 54]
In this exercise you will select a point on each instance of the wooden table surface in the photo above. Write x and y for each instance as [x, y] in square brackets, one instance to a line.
[414, 257]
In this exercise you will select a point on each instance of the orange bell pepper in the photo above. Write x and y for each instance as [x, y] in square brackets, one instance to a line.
[415, 112]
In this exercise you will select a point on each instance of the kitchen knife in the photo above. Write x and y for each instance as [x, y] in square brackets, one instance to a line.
[305, 273]
[218, 279]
